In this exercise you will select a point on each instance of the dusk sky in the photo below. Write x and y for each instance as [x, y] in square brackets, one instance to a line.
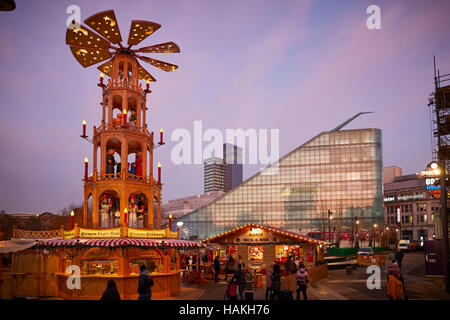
[301, 67]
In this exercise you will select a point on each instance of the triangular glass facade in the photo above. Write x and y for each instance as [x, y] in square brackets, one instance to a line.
[339, 171]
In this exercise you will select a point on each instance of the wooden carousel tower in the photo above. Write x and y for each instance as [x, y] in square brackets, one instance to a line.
[122, 189]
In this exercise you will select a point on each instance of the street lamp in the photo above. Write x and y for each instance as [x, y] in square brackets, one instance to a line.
[330, 216]
[374, 234]
[356, 232]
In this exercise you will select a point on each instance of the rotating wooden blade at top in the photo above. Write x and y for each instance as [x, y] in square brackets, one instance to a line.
[105, 24]
[140, 30]
[143, 74]
[159, 64]
[89, 56]
[167, 47]
[106, 68]
[83, 37]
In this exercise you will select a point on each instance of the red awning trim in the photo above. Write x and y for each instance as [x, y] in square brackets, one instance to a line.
[118, 243]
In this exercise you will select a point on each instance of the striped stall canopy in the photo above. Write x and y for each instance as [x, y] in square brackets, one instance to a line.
[123, 242]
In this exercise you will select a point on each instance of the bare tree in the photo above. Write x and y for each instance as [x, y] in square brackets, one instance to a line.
[66, 211]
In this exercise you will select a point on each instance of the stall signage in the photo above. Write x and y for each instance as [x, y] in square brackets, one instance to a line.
[69, 234]
[92, 233]
[255, 236]
[135, 233]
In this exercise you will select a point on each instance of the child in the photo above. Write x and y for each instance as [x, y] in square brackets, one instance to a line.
[302, 281]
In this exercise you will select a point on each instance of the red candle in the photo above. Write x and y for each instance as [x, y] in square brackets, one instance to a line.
[170, 222]
[125, 216]
[148, 85]
[101, 78]
[85, 168]
[72, 216]
[161, 136]
[84, 128]
[159, 172]
[124, 117]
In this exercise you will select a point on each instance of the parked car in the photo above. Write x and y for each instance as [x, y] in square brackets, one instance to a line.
[403, 245]
[366, 251]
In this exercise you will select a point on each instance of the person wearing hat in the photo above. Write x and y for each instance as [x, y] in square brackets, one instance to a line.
[396, 283]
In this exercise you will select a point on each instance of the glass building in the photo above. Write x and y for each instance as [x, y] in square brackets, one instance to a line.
[337, 170]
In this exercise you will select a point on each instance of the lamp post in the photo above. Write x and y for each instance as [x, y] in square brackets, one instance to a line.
[330, 216]
[356, 232]
[373, 237]
[387, 237]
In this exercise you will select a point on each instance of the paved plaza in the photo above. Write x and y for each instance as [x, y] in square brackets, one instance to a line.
[342, 286]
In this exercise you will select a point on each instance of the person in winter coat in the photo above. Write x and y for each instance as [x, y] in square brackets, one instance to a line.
[231, 292]
[269, 273]
[111, 292]
[239, 275]
[302, 281]
[145, 284]
[240, 262]
[396, 283]
[229, 269]
[399, 257]
[276, 281]
[216, 268]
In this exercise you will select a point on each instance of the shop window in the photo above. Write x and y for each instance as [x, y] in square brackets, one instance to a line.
[255, 253]
[99, 267]
[152, 264]
[282, 252]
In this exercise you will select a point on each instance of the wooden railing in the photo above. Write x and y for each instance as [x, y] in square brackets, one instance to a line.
[124, 231]
[31, 234]
[128, 177]
[110, 126]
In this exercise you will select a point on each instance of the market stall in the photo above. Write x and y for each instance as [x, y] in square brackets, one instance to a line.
[257, 246]
[47, 269]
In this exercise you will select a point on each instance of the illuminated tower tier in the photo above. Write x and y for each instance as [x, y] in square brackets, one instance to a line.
[112, 181]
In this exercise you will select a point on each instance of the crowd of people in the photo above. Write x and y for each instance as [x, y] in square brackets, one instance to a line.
[236, 286]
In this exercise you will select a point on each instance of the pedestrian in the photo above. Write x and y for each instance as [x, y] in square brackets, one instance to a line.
[111, 292]
[276, 281]
[239, 275]
[296, 263]
[216, 268]
[396, 283]
[392, 257]
[399, 258]
[145, 284]
[189, 262]
[231, 292]
[229, 266]
[302, 281]
[205, 261]
[240, 262]
[269, 272]
[289, 265]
